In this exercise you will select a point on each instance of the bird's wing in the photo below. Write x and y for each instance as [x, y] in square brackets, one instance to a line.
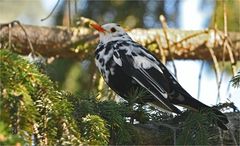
[144, 69]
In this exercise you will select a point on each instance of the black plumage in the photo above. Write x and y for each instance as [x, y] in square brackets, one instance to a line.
[126, 66]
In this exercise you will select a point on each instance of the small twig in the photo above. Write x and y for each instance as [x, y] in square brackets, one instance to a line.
[229, 94]
[10, 24]
[43, 19]
[232, 59]
[189, 37]
[227, 41]
[216, 67]
[219, 85]
[224, 49]
[225, 18]
[227, 46]
[222, 72]
[164, 25]
[161, 51]
[29, 42]
[217, 71]
[199, 79]
[9, 35]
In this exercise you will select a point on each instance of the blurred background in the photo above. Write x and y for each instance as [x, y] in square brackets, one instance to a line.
[77, 76]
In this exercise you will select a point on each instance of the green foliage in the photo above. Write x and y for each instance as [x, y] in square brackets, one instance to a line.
[35, 111]
[6, 138]
[31, 103]
[94, 130]
[197, 128]
[114, 114]
[236, 80]
[39, 113]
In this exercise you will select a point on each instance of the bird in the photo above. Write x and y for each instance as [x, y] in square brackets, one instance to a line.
[125, 65]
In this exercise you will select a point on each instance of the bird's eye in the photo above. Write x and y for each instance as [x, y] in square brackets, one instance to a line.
[113, 29]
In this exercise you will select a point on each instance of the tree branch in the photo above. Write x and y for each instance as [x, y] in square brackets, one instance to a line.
[80, 42]
[152, 132]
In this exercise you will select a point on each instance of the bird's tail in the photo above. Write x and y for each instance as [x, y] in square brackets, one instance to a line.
[193, 104]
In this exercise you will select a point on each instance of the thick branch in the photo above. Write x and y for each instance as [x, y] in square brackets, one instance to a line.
[154, 133]
[80, 42]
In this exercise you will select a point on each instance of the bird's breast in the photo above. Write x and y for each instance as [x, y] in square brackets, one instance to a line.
[104, 62]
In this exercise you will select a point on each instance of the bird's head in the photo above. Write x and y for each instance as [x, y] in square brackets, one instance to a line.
[110, 32]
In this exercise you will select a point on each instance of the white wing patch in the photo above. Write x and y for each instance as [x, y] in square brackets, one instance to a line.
[141, 62]
[117, 59]
[145, 63]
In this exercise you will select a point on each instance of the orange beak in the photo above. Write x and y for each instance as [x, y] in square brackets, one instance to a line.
[97, 27]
